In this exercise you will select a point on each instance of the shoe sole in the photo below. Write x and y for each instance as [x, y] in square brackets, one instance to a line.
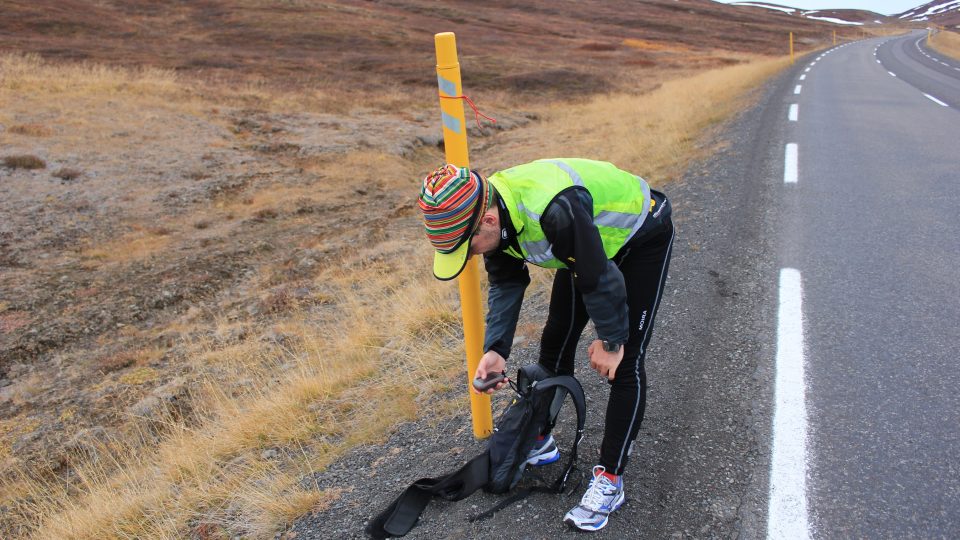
[591, 527]
[544, 459]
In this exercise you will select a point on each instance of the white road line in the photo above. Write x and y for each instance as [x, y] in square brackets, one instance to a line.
[794, 112]
[935, 100]
[808, 70]
[787, 513]
[802, 77]
[878, 61]
[891, 74]
[797, 89]
[790, 167]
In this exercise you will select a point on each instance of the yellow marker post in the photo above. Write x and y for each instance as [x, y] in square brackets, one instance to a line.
[455, 147]
[834, 37]
[791, 47]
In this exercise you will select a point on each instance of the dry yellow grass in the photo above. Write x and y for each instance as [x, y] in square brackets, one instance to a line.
[645, 45]
[29, 74]
[336, 389]
[266, 415]
[394, 171]
[139, 244]
[947, 43]
[653, 134]
[883, 31]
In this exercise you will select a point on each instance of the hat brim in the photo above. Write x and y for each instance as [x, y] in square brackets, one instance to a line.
[447, 266]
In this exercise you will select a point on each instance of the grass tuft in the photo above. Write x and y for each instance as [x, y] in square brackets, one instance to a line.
[115, 362]
[24, 161]
[655, 134]
[67, 173]
[139, 376]
[31, 130]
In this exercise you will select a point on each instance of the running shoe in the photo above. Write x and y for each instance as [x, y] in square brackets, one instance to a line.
[601, 499]
[543, 452]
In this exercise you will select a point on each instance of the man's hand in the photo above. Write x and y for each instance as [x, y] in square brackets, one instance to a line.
[604, 362]
[491, 362]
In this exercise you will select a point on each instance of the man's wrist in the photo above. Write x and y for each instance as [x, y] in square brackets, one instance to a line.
[611, 346]
[495, 349]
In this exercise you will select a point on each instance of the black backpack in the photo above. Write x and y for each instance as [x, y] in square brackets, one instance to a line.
[500, 467]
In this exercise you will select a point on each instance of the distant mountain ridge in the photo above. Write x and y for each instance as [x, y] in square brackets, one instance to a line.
[941, 12]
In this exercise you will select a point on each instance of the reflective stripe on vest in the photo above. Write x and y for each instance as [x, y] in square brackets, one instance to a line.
[574, 175]
[538, 252]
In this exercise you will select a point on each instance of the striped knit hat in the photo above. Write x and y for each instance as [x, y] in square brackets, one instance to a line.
[452, 200]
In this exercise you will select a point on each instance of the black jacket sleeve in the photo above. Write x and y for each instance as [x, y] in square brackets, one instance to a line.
[568, 225]
[509, 278]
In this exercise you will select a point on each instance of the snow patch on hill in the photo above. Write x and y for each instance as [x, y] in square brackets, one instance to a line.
[924, 12]
[833, 20]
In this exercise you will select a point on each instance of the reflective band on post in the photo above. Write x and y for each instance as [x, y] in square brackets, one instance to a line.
[574, 175]
[446, 87]
[451, 123]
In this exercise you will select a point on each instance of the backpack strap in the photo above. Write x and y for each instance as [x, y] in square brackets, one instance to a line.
[572, 386]
[403, 513]
[519, 495]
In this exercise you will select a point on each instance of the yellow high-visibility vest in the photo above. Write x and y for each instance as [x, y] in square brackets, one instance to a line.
[621, 201]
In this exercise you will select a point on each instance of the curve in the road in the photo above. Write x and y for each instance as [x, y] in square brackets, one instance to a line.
[907, 59]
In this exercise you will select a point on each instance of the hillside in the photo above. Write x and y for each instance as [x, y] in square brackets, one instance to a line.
[308, 44]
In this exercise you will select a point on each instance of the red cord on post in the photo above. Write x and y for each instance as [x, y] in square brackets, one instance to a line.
[476, 111]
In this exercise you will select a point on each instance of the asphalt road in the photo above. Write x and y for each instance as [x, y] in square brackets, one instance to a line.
[872, 226]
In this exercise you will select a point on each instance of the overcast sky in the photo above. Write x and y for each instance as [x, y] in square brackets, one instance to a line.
[884, 7]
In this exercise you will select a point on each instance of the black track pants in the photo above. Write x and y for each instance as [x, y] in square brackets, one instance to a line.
[644, 267]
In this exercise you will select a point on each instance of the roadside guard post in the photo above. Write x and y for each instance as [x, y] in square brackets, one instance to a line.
[791, 48]
[455, 147]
